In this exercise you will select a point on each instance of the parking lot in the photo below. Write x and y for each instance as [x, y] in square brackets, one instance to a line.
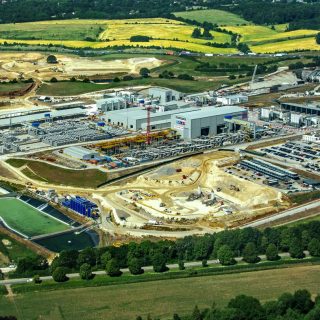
[306, 154]
[287, 185]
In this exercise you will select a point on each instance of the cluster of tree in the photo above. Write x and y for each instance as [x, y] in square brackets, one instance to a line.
[204, 35]
[170, 75]
[313, 24]
[299, 65]
[23, 10]
[226, 245]
[297, 306]
[277, 12]
[226, 67]
[140, 39]
[318, 38]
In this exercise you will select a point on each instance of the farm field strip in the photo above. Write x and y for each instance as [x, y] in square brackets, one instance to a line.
[288, 45]
[126, 301]
[167, 44]
[219, 17]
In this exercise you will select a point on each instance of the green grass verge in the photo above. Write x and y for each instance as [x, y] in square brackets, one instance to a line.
[219, 17]
[50, 31]
[12, 250]
[300, 198]
[104, 280]
[74, 88]
[27, 220]
[41, 171]
[9, 87]
[159, 298]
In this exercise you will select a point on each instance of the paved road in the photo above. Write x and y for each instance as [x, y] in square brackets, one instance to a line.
[283, 214]
[147, 268]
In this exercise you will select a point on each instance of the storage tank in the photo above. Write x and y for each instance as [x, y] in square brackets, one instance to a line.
[35, 124]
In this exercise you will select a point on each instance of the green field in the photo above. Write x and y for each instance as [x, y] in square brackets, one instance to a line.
[50, 31]
[164, 34]
[8, 87]
[11, 250]
[159, 298]
[186, 86]
[219, 17]
[41, 171]
[27, 220]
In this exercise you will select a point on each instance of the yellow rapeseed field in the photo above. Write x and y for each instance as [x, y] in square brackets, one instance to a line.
[189, 46]
[289, 45]
[165, 33]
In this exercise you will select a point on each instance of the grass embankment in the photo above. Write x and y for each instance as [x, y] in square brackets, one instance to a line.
[73, 88]
[10, 87]
[27, 220]
[160, 298]
[41, 171]
[301, 198]
[11, 250]
[214, 16]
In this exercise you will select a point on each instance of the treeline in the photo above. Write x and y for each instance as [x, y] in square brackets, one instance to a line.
[300, 65]
[227, 67]
[226, 245]
[296, 306]
[264, 12]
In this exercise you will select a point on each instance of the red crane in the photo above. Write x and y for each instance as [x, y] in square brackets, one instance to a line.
[148, 134]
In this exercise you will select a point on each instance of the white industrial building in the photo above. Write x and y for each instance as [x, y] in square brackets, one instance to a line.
[232, 99]
[111, 104]
[311, 138]
[164, 95]
[160, 116]
[205, 122]
[80, 153]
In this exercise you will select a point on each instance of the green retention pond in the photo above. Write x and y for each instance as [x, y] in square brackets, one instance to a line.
[27, 220]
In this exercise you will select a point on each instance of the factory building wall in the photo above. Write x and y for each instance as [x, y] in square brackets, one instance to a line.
[194, 128]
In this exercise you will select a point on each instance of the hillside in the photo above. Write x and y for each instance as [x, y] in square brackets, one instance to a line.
[159, 33]
[214, 16]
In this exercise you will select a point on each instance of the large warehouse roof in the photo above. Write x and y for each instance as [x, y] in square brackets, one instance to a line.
[79, 151]
[141, 113]
[213, 111]
[5, 122]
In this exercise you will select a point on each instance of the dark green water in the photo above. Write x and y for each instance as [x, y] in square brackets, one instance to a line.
[70, 241]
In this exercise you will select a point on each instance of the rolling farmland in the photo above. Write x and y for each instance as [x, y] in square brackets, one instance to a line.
[219, 17]
[163, 33]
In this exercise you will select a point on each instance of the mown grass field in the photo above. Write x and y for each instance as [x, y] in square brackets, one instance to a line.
[159, 298]
[27, 220]
[90, 178]
[9, 87]
[219, 17]
[51, 31]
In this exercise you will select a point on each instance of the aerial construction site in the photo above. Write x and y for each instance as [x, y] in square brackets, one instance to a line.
[149, 161]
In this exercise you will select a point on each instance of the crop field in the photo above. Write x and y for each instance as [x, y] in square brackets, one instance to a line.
[160, 299]
[27, 220]
[167, 30]
[163, 33]
[50, 31]
[288, 45]
[219, 17]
